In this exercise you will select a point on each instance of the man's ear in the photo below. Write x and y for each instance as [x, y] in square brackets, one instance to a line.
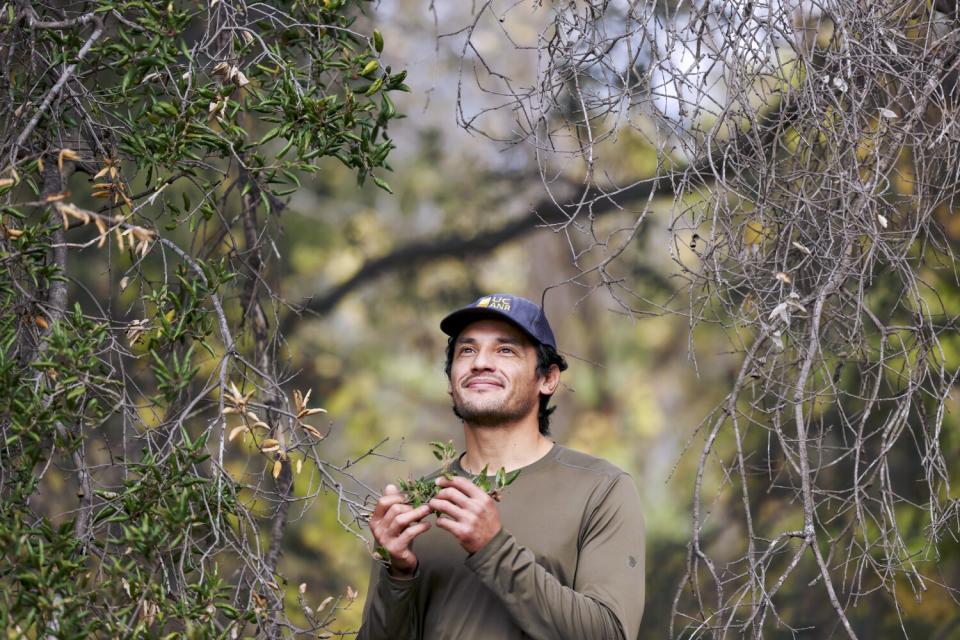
[549, 382]
[449, 387]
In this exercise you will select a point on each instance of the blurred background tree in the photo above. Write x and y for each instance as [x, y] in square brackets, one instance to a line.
[658, 161]
[800, 173]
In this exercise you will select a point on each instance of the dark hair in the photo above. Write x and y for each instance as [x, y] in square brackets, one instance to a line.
[547, 356]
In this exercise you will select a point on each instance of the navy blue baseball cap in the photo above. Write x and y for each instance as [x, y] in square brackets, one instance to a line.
[527, 315]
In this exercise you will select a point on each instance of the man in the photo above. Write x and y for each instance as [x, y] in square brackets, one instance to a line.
[559, 557]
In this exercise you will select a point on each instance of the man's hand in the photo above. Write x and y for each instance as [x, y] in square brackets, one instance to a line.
[394, 525]
[473, 518]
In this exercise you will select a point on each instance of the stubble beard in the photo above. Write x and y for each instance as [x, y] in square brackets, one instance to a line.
[493, 414]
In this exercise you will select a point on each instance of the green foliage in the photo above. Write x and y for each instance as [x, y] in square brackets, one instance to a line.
[422, 490]
[136, 132]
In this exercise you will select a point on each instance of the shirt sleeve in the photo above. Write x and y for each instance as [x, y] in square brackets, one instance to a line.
[389, 612]
[606, 601]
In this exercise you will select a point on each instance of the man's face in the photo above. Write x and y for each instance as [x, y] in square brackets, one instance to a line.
[493, 375]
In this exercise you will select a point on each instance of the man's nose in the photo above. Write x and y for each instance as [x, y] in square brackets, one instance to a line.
[483, 361]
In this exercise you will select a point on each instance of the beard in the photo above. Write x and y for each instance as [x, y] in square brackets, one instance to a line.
[495, 412]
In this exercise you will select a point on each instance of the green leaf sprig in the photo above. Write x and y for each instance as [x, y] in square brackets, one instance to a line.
[422, 490]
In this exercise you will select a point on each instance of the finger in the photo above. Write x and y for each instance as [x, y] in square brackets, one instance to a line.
[454, 495]
[386, 521]
[391, 496]
[463, 485]
[399, 547]
[390, 488]
[406, 538]
[409, 517]
[385, 503]
[394, 512]
[448, 508]
[452, 526]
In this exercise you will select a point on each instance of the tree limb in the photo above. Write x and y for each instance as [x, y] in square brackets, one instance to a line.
[548, 213]
[259, 325]
[55, 91]
[429, 250]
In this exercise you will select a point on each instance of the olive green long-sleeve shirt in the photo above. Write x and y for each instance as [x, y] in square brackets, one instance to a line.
[567, 564]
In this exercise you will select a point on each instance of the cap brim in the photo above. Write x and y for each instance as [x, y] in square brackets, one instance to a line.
[454, 323]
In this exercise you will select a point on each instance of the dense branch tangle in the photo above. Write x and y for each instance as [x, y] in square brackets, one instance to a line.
[145, 153]
[830, 135]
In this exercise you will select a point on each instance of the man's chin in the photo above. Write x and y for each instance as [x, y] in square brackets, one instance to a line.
[482, 416]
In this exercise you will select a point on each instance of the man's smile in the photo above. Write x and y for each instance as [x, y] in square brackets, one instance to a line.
[480, 383]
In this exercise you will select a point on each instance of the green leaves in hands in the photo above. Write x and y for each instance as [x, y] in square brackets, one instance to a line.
[422, 490]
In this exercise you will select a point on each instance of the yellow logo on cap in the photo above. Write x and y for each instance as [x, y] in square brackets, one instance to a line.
[500, 303]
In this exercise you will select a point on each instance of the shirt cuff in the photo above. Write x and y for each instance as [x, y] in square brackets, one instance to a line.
[396, 581]
[487, 551]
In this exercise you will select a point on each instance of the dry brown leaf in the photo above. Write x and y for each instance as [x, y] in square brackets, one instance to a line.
[277, 466]
[312, 431]
[13, 233]
[351, 594]
[299, 465]
[41, 322]
[323, 605]
[136, 329]
[66, 154]
[268, 445]
[149, 612]
[104, 232]
[235, 431]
